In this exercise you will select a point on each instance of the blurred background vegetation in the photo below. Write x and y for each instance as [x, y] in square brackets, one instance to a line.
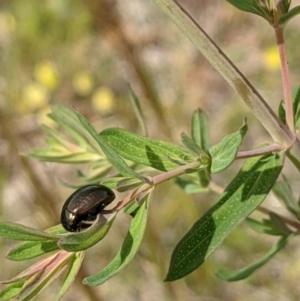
[83, 54]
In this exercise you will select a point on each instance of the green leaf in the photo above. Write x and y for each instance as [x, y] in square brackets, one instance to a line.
[31, 249]
[199, 129]
[97, 174]
[296, 107]
[129, 248]
[251, 6]
[281, 112]
[70, 277]
[143, 150]
[199, 132]
[11, 290]
[284, 194]
[224, 153]
[20, 232]
[191, 145]
[131, 208]
[86, 239]
[68, 120]
[246, 191]
[279, 224]
[111, 182]
[190, 187]
[127, 184]
[51, 155]
[69, 143]
[266, 227]
[247, 271]
[138, 111]
[195, 149]
[112, 156]
[54, 269]
[289, 15]
[283, 6]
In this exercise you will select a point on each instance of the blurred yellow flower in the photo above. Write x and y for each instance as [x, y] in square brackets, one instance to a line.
[271, 58]
[83, 83]
[34, 97]
[7, 22]
[102, 100]
[46, 74]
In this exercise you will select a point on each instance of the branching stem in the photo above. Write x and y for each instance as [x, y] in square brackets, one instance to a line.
[165, 176]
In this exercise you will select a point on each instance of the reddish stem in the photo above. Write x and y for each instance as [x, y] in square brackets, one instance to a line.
[289, 115]
[258, 152]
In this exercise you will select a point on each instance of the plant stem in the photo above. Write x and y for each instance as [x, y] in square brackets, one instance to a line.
[279, 132]
[155, 181]
[173, 173]
[258, 152]
[287, 96]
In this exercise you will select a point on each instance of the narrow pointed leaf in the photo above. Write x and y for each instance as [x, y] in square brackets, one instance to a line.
[199, 129]
[67, 119]
[285, 196]
[199, 132]
[279, 224]
[247, 271]
[190, 187]
[143, 150]
[127, 184]
[138, 111]
[50, 155]
[70, 277]
[296, 107]
[70, 142]
[266, 227]
[289, 15]
[20, 232]
[251, 6]
[49, 274]
[224, 153]
[191, 145]
[86, 239]
[31, 249]
[111, 182]
[246, 191]
[12, 290]
[111, 154]
[129, 248]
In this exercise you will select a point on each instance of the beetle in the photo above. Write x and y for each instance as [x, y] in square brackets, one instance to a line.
[82, 207]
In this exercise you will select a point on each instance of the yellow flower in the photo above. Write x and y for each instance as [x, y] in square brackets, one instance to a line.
[46, 74]
[271, 58]
[34, 97]
[102, 100]
[83, 83]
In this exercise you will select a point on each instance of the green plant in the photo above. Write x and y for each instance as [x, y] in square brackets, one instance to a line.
[131, 158]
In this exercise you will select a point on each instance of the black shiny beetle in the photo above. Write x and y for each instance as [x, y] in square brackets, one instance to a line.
[83, 206]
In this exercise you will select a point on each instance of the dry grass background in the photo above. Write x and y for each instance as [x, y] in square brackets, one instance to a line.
[83, 54]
